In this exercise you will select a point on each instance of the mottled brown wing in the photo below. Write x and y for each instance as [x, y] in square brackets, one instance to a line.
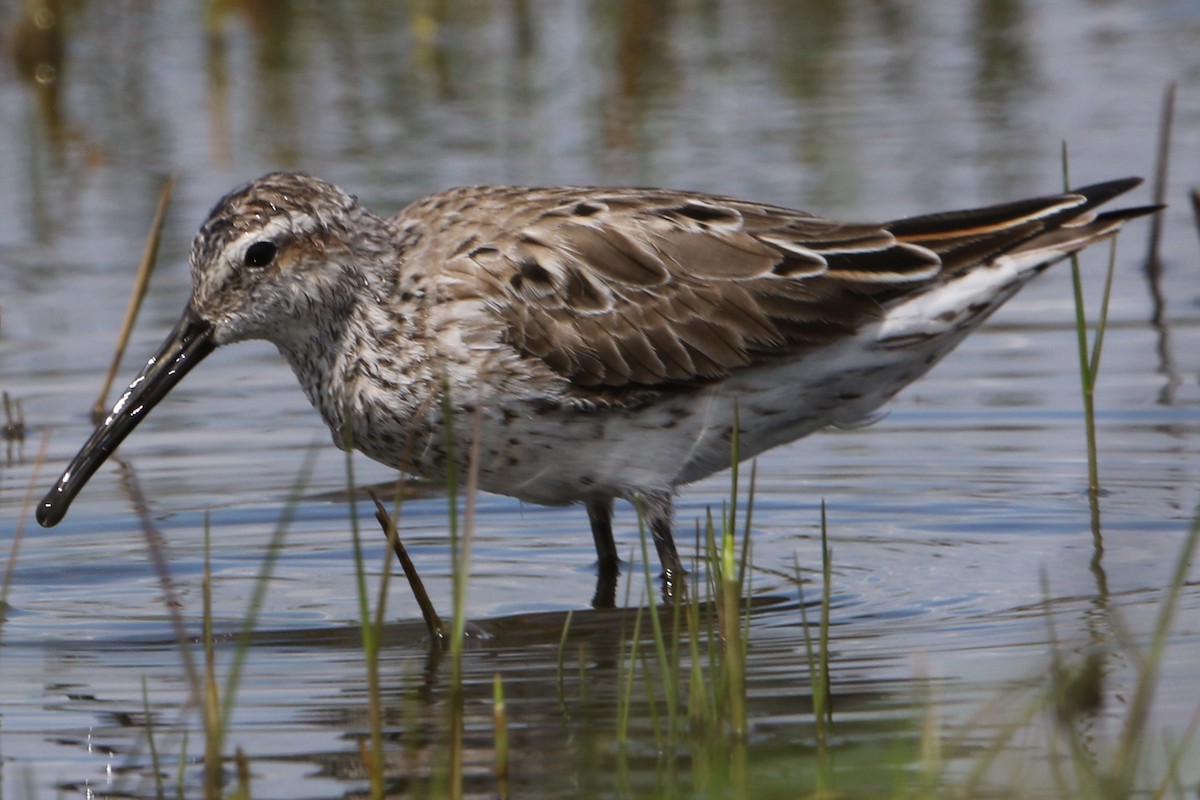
[618, 288]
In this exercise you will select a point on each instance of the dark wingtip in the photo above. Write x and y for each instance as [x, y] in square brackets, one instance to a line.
[1099, 193]
[1131, 213]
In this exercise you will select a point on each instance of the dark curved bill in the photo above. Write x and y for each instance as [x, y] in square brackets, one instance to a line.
[185, 347]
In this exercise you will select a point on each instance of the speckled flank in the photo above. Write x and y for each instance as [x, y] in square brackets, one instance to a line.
[597, 339]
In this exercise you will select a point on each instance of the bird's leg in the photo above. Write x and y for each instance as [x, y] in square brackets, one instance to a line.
[600, 512]
[657, 509]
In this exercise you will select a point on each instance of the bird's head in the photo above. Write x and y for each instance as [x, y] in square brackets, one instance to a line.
[276, 259]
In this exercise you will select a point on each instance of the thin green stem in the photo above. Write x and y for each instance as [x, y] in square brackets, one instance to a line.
[370, 642]
[561, 660]
[670, 687]
[155, 766]
[258, 597]
[1134, 730]
[214, 733]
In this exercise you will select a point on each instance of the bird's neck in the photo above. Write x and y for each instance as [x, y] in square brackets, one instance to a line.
[365, 366]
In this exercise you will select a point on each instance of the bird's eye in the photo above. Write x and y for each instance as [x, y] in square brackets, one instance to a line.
[260, 254]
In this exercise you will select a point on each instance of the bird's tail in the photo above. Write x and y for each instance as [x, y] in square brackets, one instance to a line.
[1035, 232]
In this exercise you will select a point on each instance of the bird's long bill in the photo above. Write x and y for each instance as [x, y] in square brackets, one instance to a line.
[185, 347]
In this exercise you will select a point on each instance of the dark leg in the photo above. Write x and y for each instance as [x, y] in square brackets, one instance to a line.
[657, 508]
[437, 631]
[600, 511]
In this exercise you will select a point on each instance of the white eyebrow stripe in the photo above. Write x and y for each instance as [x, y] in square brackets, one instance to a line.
[295, 222]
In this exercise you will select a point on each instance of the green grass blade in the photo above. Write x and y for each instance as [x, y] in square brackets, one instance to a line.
[669, 684]
[500, 734]
[1133, 733]
[1102, 323]
[258, 597]
[561, 659]
[155, 765]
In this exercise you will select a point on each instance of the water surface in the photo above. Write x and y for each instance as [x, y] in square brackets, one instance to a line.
[962, 536]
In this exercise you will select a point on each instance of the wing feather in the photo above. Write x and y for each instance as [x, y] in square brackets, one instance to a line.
[626, 288]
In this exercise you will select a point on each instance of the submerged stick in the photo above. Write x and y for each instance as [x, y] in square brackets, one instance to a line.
[1166, 121]
[140, 283]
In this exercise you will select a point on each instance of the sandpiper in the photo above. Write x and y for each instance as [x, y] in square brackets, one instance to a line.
[596, 340]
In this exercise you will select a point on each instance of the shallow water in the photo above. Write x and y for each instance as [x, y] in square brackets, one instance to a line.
[961, 531]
